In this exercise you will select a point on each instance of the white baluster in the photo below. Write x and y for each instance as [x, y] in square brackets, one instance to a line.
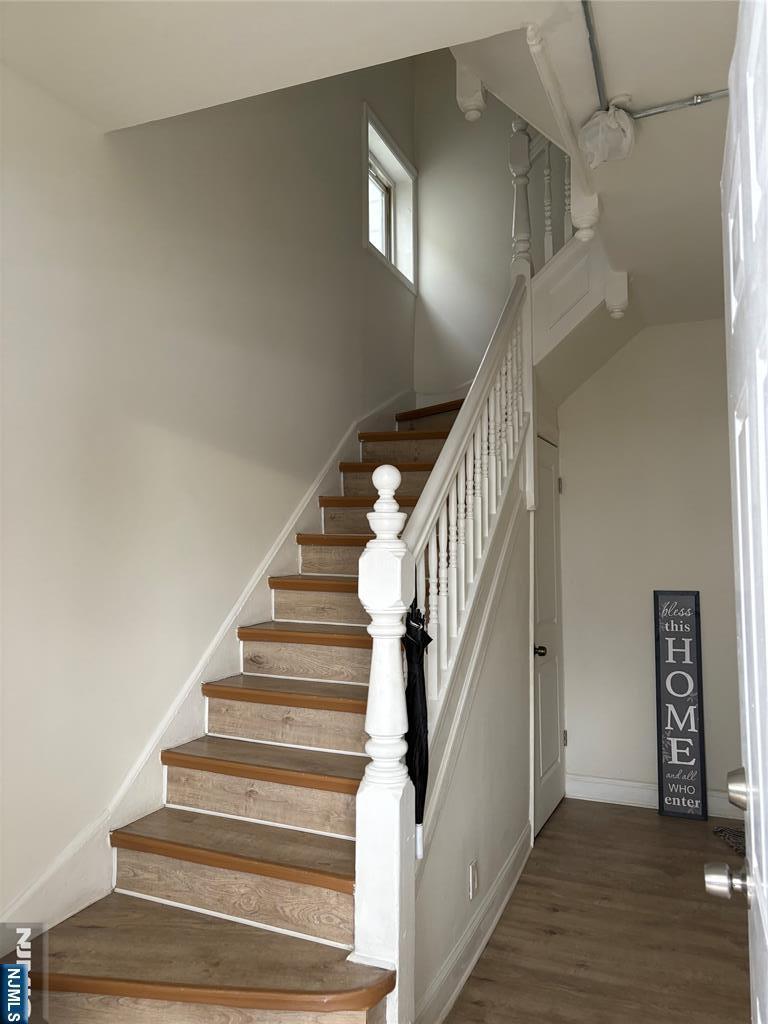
[478, 493]
[385, 830]
[511, 431]
[492, 466]
[469, 560]
[421, 583]
[434, 624]
[498, 415]
[520, 398]
[442, 598]
[504, 422]
[548, 243]
[486, 520]
[461, 536]
[567, 222]
[519, 166]
[453, 558]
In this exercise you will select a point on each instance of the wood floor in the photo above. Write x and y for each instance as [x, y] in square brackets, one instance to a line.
[610, 924]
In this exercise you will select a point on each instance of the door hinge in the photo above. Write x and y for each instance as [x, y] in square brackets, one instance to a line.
[565, 737]
[559, 485]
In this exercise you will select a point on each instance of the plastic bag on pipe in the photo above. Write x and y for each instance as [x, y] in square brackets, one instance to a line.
[607, 135]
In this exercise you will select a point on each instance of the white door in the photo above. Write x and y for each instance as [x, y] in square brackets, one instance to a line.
[549, 702]
[745, 224]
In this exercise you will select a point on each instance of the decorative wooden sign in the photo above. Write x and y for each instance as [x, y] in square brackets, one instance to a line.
[679, 704]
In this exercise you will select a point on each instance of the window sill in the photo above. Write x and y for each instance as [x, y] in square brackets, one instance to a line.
[410, 285]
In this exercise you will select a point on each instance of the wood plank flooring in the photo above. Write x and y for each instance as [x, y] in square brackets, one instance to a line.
[610, 924]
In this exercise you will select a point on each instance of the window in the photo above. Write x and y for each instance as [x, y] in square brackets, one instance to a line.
[380, 207]
[390, 190]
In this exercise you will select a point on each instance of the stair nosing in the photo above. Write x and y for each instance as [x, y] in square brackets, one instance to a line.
[429, 410]
[314, 584]
[368, 466]
[362, 500]
[122, 840]
[258, 633]
[239, 998]
[336, 540]
[402, 435]
[262, 773]
[292, 698]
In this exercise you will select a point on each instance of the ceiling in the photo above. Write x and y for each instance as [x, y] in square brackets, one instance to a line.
[123, 63]
[660, 208]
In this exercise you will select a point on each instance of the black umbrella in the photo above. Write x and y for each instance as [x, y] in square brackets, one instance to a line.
[416, 641]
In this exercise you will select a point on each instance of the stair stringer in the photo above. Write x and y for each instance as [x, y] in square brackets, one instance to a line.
[84, 871]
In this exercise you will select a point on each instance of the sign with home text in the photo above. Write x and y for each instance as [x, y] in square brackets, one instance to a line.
[679, 704]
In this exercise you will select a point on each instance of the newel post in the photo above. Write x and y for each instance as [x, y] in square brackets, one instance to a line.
[520, 166]
[385, 854]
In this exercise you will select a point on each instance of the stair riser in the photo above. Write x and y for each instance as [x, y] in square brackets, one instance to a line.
[356, 483]
[306, 909]
[316, 809]
[349, 520]
[306, 661]
[305, 727]
[319, 606]
[440, 421]
[331, 560]
[401, 451]
[79, 1008]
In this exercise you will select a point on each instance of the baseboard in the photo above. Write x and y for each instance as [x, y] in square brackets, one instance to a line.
[82, 872]
[637, 794]
[446, 987]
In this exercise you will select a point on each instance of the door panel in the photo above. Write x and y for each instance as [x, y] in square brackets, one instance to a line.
[549, 702]
[745, 242]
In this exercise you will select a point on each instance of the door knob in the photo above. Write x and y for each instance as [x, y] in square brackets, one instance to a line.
[738, 793]
[540, 651]
[720, 881]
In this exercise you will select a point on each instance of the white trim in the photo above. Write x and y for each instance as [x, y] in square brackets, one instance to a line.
[370, 119]
[637, 794]
[446, 987]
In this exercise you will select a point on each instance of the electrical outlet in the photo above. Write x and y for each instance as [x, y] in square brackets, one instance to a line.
[473, 883]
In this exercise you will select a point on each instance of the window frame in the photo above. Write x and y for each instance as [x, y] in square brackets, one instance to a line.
[387, 188]
[403, 178]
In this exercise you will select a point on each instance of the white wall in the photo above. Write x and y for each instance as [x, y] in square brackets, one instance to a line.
[190, 324]
[465, 226]
[646, 505]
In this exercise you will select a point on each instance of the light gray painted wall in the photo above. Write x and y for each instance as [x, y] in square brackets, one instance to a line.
[486, 812]
[190, 325]
[465, 227]
[646, 504]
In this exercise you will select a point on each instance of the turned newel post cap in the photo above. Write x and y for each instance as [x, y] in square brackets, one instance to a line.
[386, 480]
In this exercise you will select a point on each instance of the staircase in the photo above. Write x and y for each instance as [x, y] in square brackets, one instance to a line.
[235, 901]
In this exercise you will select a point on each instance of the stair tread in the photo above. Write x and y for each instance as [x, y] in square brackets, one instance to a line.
[314, 769]
[242, 845]
[368, 466]
[305, 581]
[307, 693]
[322, 633]
[402, 435]
[363, 500]
[429, 410]
[120, 946]
[342, 540]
